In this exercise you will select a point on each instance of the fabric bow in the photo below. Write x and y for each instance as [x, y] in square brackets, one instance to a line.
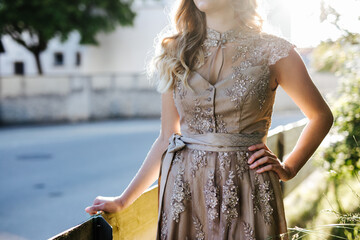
[175, 143]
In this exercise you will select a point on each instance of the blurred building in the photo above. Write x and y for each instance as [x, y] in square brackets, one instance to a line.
[59, 58]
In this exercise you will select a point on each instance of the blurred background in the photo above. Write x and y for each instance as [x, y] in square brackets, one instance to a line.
[78, 114]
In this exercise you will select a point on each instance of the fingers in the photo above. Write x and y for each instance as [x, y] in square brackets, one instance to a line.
[265, 160]
[258, 154]
[261, 161]
[258, 146]
[94, 209]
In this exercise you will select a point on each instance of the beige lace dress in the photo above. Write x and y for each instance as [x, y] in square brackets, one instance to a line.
[206, 188]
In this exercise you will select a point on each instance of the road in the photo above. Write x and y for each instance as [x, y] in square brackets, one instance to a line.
[49, 174]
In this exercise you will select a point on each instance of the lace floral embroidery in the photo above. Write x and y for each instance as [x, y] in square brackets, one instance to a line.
[211, 193]
[262, 194]
[199, 160]
[163, 232]
[200, 120]
[249, 232]
[220, 124]
[181, 191]
[279, 48]
[250, 52]
[241, 165]
[240, 52]
[239, 88]
[261, 89]
[230, 198]
[224, 160]
[200, 235]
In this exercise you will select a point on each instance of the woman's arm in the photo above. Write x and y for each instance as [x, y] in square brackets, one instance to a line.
[149, 170]
[292, 76]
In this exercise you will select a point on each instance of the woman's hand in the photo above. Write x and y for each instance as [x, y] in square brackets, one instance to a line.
[105, 204]
[265, 160]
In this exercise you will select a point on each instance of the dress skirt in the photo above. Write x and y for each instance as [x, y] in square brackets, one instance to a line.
[215, 195]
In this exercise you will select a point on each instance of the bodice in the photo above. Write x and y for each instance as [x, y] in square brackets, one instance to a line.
[230, 92]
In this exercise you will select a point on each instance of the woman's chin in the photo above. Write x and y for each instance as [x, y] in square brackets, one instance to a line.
[205, 5]
[209, 6]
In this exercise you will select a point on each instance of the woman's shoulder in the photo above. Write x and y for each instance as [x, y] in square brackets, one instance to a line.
[275, 46]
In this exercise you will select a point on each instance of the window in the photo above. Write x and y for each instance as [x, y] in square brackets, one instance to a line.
[2, 49]
[19, 68]
[58, 59]
[78, 59]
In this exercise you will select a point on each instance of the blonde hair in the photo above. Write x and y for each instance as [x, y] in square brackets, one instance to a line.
[179, 50]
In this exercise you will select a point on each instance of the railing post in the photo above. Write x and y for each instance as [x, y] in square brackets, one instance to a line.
[280, 152]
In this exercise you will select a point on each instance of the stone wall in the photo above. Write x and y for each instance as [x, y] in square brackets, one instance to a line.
[76, 98]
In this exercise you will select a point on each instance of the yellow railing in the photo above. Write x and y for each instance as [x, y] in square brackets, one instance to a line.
[139, 220]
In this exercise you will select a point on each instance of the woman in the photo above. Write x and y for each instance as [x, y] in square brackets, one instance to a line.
[218, 77]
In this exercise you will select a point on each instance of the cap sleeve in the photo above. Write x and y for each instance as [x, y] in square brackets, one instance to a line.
[278, 48]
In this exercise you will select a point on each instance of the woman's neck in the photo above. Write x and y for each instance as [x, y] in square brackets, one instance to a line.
[221, 21]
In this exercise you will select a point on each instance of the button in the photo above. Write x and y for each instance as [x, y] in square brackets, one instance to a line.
[211, 130]
[210, 89]
[209, 99]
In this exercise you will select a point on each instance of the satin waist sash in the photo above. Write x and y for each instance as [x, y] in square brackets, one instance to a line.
[214, 141]
[207, 142]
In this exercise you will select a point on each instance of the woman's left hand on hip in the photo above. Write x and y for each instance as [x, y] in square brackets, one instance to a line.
[265, 160]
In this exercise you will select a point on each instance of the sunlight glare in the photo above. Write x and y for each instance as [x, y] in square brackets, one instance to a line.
[306, 28]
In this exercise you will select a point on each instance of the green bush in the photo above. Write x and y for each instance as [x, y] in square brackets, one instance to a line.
[337, 56]
[342, 56]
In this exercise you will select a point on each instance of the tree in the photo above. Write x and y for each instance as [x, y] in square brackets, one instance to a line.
[34, 23]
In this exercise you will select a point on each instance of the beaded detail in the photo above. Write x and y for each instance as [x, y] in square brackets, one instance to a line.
[260, 90]
[163, 232]
[220, 124]
[181, 191]
[224, 160]
[200, 120]
[211, 193]
[230, 199]
[239, 88]
[198, 160]
[262, 194]
[279, 48]
[200, 235]
[240, 52]
[241, 166]
[249, 232]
